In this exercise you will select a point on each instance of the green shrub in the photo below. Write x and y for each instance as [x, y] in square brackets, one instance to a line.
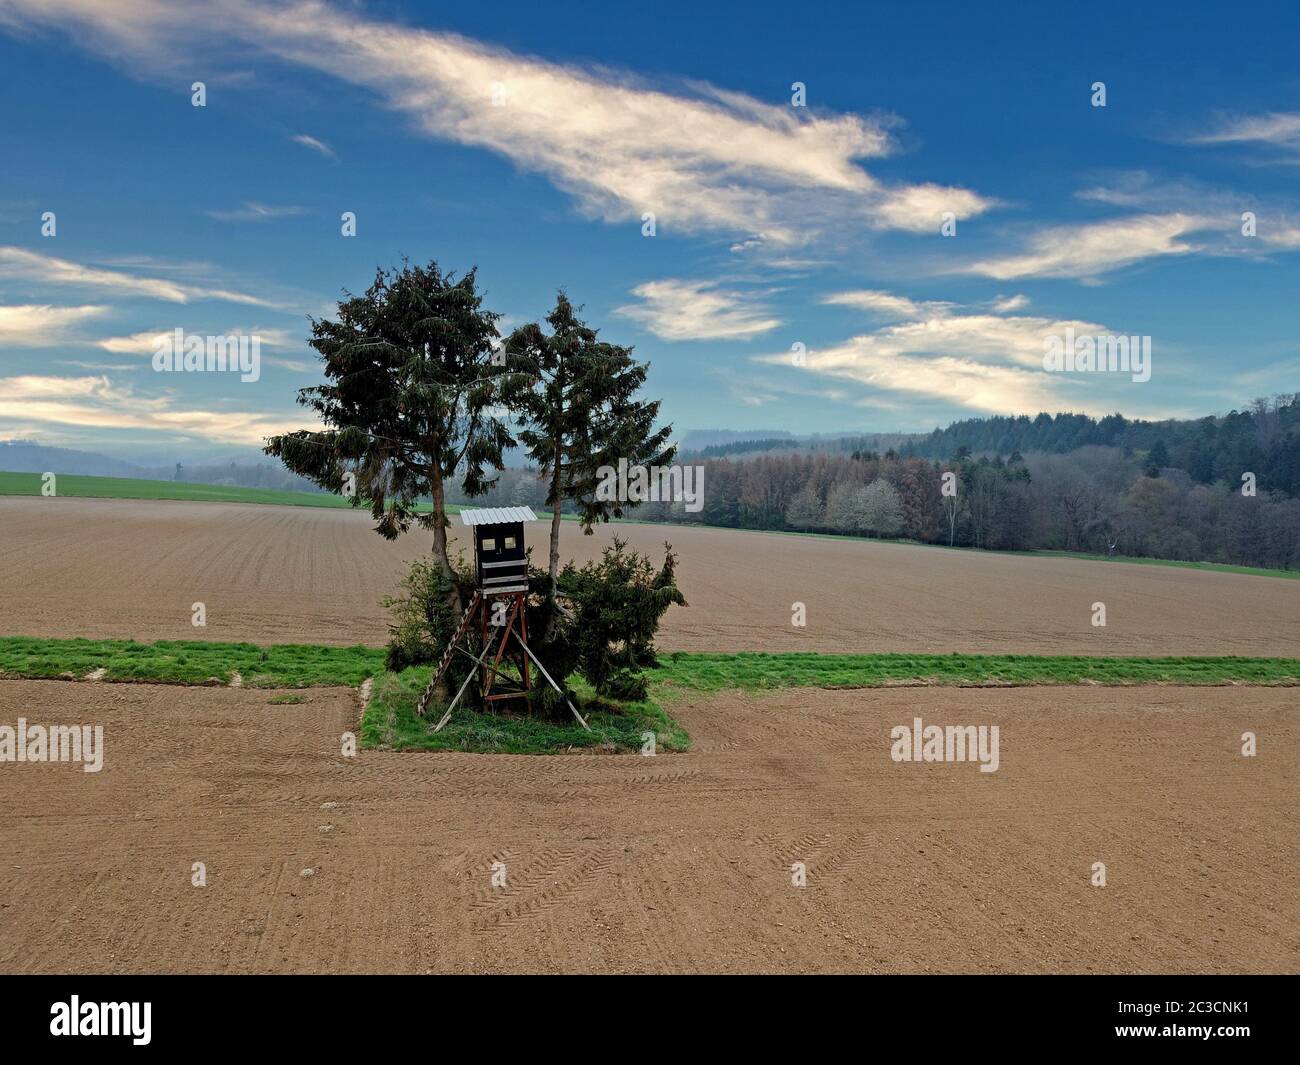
[606, 633]
[423, 617]
[618, 603]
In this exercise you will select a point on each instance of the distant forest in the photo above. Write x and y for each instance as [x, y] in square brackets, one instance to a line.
[1219, 489]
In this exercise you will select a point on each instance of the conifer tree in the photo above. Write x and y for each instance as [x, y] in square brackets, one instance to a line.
[410, 400]
[574, 398]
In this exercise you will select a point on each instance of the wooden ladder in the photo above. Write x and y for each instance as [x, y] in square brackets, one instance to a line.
[447, 655]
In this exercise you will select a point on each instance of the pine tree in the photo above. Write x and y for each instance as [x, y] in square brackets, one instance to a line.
[409, 399]
[574, 399]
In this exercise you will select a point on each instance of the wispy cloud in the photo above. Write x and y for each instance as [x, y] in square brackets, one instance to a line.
[1095, 248]
[885, 304]
[22, 265]
[1007, 304]
[984, 362]
[1277, 222]
[675, 309]
[701, 158]
[39, 325]
[922, 208]
[144, 342]
[308, 141]
[753, 390]
[1277, 128]
[135, 344]
[962, 381]
[251, 211]
[96, 402]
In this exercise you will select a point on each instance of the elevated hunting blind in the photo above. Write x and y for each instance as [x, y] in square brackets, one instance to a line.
[500, 606]
[499, 556]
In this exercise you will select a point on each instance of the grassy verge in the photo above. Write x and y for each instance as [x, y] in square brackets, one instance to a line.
[390, 721]
[72, 485]
[285, 665]
[754, 670]
[1212, 567]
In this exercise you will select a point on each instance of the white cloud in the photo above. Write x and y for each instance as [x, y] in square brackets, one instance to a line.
[1007, 304]
[252, 211]
[95, 402]
[135, 344]
[1088, 250]
[984, 362]
[1218, 211]
[1277, 128]
[1284, 235]
[697, 310]
[921, 208]
[885, 304]
[39, 325]
[994, 338]
[753, 390]
[956, 379]
[316, 145]
[98, 367]
[700, 158]
[144, 342]
[22, 265]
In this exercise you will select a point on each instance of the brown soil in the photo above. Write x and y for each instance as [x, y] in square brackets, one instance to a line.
[677, 863]
[126, 568]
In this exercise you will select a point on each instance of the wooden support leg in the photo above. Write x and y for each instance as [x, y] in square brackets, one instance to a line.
[447, 716]
[539, 665]
[470, 676]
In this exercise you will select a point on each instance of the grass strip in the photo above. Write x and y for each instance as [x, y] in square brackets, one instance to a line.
[759, 670]
[390, 721]
[77, 486]
[286, 665]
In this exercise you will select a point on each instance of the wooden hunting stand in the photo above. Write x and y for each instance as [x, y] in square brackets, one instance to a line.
[500, 606]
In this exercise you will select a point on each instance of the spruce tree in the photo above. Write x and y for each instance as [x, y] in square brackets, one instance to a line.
[574, 398]
[412, 387]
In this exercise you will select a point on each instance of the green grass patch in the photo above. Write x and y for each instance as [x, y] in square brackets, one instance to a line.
[756, 670]
[390, 721]
[286, 665]
[72, 485]
[1212, 567]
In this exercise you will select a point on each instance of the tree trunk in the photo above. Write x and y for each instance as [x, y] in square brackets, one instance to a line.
[440, 524]
[555, 549]
[553, 625]
[443, 691]
[555, 502]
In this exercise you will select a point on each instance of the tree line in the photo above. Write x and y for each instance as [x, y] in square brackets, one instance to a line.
[1263, 438]
[1180, 498]
[1096, 500]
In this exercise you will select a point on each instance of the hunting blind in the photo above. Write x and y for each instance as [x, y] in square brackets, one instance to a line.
[499, 605]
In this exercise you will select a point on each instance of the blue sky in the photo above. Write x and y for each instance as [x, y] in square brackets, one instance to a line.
[531, 142]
